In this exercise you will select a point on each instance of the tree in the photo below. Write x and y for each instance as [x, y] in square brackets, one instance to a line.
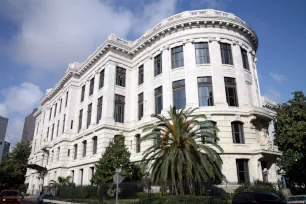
[290, 137]
[14, 164]
[178, 155]
[116, 155]
[64, 181]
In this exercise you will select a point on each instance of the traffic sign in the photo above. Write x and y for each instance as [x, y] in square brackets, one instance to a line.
[120, 179]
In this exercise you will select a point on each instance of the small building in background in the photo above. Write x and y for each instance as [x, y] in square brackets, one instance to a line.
[29, 126]
[3, 127]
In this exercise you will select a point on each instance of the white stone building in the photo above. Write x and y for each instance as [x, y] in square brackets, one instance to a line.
[202, 58]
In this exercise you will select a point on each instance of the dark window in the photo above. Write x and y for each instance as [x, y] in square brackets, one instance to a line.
[50, 115]
[81, 176]
[202, 53]
[66, 102]
[226, 53]
[89, 114]
[158, 99]
[208, 126]
[57, 128]
[64, 121]
[80, 120]
[47, 133]
[140, 75]
[237, 131]
[137, 138]
[140, 106]
[58, 153]
[119, 108]
[245, 60]
[242, 170]
[71, 124]
[120, 76]
[101, 82]
[205, 91]
[179, 96]
[72, 176]
[99, 109]
[84, 148]
[95, 144]
[68, 153]
[230, 90]
[83, 93]
[52, 131]
[55, 109]
[177, 58]
[158, 65]
[75, 151]
[91, 86]
[119, 137]
[60, 108]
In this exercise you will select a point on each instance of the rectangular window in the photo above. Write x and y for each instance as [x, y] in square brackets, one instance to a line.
[245, 60]
[120, 76]
[60, 108]
[91, 86]
[179, 96]
[80, 120]
[99, 109]
[57, 128]
[140, 75]
[202, 53]
[95, 143]
[47, 133]
[177, 57]
[83, 93]
[64, 121]
[101, 81]
[75, 151]
[140, 106]
[52, 131]
[205, 91]
[242, 171]
[158, 65]
[230, 90]
[137, 137]
[72, 176]
[84, 148]
[158, 92]
[71, 125]
[81, 176]
[238, 133]
[55, 109]
[92, 172]
[50, 115]
[89, 115]
[119, 108]
[226, 53]
[58, 154]
[66, 102]
[68, 153]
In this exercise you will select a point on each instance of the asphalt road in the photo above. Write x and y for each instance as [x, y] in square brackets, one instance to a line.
[30, 201]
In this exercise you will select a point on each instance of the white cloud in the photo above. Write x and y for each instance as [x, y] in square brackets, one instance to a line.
[54, 33]
[212, 4]
[14, 130]
[3, 110]
[21, 99]
[277, 77]
[273, 94]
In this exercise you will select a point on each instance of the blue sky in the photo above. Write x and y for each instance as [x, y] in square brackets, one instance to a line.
[38, 39]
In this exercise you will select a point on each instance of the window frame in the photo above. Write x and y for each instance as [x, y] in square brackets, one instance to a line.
[89, 113]
[140, 75]
[239, 131]
[244, 58]
[84, 148]
[75, 155]
[206, 82]
[176, 89]
[158, 92]
[119, 104]
[202, 48]
[226, 47]
[99, 109]
[94, 145]
[158, 66]
[101, 78]
[230, 83]
[120, 76]
[80, 120]
[91, 86]
[177, 57]
[137, 143]
[83, 93]
[140, 106]
[245, 171]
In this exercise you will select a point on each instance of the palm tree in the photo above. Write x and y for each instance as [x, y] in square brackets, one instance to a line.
[178, 156]
[63, 180]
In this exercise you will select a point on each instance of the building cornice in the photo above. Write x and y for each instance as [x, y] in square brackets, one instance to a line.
[190, 19]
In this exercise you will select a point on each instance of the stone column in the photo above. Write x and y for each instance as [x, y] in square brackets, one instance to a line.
[190, 75]
[242, 91]
[217, 74]
[167, 84]
[109, 94]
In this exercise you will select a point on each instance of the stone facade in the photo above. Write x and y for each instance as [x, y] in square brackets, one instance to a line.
[59, 143]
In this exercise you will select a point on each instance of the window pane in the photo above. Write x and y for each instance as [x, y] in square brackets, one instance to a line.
[140, 75]
[202, 53]
[101, 82]
[157, 65]
[119, 108]
[177, 57]
[120, 76]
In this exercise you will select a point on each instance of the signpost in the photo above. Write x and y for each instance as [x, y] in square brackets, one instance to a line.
[117, 179]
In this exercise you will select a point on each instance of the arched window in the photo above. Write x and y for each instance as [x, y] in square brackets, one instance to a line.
[94, 145]
[137, 138]
[208, 126]
[237, 131]
[84, 148]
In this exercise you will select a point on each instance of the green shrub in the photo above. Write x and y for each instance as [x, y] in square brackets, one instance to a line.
[258, 185]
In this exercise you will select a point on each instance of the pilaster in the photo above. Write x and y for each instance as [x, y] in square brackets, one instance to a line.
[167, 83]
